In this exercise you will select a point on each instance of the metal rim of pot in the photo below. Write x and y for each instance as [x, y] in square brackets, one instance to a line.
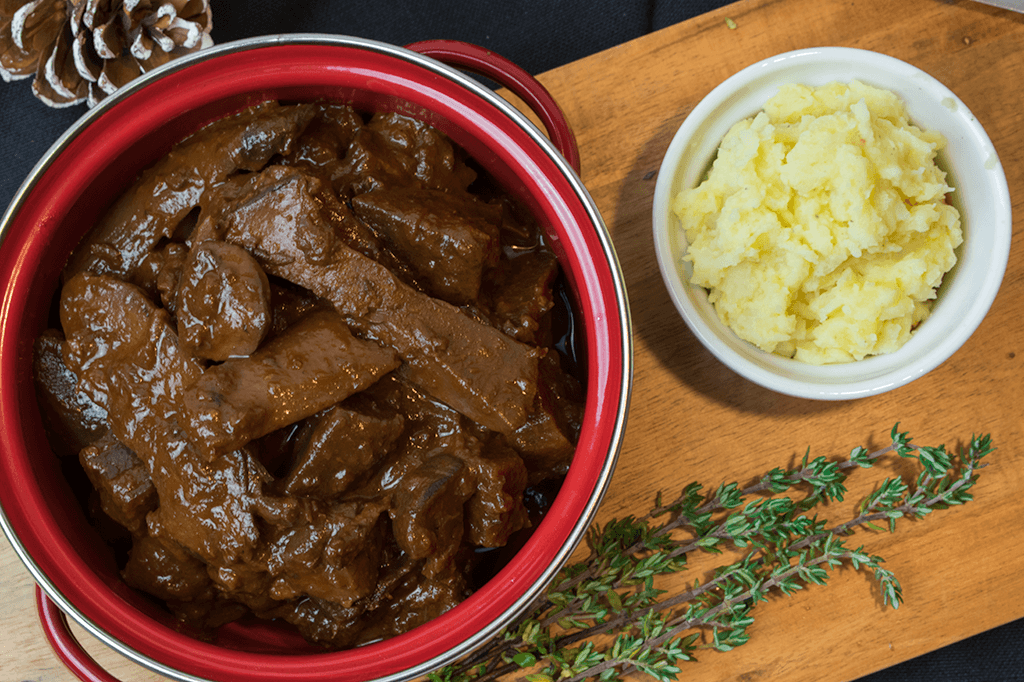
[618, 347]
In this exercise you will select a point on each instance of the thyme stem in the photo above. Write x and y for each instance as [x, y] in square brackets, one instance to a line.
[565, 632]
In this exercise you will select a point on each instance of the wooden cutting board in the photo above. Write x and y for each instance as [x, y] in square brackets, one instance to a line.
[692, 419]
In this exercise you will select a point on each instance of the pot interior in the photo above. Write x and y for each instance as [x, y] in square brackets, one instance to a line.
[99, 159]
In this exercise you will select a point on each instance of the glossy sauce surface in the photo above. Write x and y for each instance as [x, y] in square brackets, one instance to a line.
[315, 379]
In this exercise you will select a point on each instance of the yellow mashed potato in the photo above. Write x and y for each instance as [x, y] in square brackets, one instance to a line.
[822, 230]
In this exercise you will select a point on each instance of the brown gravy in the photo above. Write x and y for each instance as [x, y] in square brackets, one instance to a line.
[316, 368]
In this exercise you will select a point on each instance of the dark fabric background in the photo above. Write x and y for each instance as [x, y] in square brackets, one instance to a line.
[538, 35]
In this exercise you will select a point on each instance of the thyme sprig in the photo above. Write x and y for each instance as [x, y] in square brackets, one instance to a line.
[603, 617]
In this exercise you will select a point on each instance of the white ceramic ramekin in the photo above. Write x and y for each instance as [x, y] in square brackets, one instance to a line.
[980, 194]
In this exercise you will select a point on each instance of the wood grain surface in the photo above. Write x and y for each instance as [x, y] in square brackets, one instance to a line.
[693, 419]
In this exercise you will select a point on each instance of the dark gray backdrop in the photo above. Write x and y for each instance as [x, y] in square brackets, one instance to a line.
[538, 35]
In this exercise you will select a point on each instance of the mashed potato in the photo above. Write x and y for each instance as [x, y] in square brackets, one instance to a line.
[822, 229]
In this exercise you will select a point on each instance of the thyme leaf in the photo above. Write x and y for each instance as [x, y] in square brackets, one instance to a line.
[604, 617]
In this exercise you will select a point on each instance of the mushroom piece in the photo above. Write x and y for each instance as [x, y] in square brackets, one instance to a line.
[223, 302]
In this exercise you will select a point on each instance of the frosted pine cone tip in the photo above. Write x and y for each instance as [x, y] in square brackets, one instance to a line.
[83, 50]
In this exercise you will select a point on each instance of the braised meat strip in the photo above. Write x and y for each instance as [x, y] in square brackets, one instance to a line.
[128, 358]
[314, 364]
[122, 480]
[447, 239]
[306, 364]
[471, 366]
[154, 207]
[72, 420]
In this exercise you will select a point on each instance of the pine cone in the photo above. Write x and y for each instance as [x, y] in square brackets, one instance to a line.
[83, 50]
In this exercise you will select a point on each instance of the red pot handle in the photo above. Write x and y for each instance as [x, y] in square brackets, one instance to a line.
[509, 75]
[67, 648]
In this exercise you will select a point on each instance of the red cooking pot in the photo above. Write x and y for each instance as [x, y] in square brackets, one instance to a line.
[99, 157]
